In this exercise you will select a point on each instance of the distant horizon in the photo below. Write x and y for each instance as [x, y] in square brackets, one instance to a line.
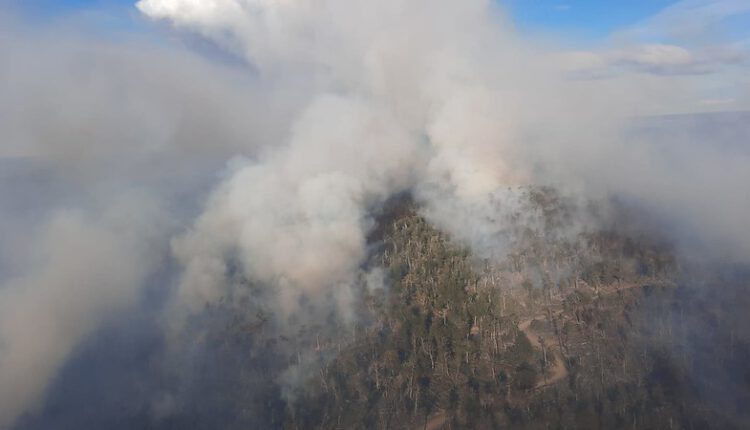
[705, 43]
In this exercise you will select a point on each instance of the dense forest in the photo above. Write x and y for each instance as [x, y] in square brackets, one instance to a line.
[572, 329]
[593, 331]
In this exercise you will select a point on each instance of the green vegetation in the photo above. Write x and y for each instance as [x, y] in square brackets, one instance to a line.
[571, 330]
[445, 346]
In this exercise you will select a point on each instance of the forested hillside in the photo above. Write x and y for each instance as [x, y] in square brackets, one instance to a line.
[572, 329]
[539, 338]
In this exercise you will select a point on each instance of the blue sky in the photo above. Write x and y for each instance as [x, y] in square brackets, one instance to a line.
[704, 42]
[587, 19]
[586, 22]
[58, 7]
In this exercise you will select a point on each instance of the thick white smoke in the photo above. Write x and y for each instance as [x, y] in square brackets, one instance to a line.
[409, 95]
[104, 146]
[340, 104]
[297, 217]
[438, 96]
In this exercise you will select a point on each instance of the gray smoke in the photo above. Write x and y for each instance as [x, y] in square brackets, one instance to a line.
[105, 150]
[266, 160]
[440, 97]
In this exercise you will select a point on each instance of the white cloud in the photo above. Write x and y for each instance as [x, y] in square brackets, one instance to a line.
[684, 45]
[656, 59]
[687, 19]
[717, 102]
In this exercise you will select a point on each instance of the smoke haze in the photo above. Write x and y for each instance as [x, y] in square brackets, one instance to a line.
[267, 158]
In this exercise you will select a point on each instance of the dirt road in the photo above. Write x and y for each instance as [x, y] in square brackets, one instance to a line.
[558, 371]
[436, 422]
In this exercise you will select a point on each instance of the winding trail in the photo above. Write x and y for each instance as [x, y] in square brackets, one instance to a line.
[552, 375]
[436, 422]
[558, 371]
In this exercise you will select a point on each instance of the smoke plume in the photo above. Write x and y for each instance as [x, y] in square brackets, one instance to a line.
[266, 157]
